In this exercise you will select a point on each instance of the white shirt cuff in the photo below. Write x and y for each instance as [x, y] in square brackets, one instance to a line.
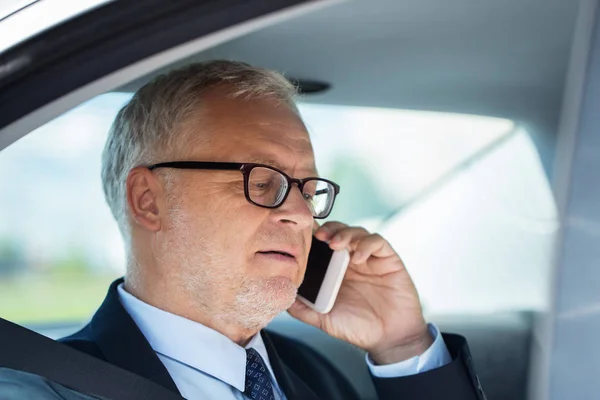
[435, 356]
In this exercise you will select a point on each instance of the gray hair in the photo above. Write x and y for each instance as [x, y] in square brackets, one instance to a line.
[145, 129]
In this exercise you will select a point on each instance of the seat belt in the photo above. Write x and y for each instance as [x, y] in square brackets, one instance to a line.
[25, 350]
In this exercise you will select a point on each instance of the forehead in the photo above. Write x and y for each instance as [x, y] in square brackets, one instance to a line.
[264, 131]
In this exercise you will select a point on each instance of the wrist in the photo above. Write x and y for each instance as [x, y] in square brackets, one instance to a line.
[392, 354]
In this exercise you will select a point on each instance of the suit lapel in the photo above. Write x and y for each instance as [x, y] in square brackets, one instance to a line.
[293, 387]
[123, 344]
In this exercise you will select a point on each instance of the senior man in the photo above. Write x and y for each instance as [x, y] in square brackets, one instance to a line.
[203, 171]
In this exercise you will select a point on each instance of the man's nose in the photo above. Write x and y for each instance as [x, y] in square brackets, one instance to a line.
[296, 210]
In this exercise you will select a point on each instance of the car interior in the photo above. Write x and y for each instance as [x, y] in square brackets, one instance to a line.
[462, 103]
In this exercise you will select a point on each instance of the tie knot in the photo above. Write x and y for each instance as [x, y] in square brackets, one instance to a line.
[258, 382]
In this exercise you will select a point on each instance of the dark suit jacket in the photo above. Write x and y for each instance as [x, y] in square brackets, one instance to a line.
[302, 373]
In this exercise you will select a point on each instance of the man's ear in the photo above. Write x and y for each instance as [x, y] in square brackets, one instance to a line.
[145, 198]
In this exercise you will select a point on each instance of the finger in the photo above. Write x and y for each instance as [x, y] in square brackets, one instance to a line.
[328, 230]
[371, 246]
[304, 313]
[348, 238]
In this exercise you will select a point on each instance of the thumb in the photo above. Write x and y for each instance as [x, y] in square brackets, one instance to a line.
[304, 313]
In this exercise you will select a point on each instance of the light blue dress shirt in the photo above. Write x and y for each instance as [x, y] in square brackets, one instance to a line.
[205, 364]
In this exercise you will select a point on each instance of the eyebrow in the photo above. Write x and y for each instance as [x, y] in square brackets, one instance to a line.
[273, 163]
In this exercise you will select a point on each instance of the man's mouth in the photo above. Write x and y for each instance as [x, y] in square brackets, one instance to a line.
[281, 253]
[277, 252]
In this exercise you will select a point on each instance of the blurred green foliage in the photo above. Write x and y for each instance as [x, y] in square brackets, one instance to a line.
[65, 289]
[53, 297]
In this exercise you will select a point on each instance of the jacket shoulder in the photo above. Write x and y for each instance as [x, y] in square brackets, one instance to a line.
[83, 341]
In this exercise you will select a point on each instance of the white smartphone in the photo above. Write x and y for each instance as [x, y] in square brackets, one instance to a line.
[325, 271]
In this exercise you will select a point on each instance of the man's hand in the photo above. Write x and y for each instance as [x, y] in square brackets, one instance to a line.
[377, 308]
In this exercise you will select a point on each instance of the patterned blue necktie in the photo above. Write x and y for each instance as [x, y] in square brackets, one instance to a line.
[258, 381]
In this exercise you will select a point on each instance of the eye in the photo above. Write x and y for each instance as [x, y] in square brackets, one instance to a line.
[308, 196]
[261, 185]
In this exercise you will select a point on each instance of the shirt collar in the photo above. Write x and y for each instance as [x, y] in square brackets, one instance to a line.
[192, 343]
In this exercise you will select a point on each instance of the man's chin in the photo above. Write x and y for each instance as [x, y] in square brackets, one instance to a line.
[281, 290]
[263, 300]
[275, 294]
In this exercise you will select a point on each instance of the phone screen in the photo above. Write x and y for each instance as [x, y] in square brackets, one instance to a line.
[318, 261]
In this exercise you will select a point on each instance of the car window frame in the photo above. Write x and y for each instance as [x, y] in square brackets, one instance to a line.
[116, 43]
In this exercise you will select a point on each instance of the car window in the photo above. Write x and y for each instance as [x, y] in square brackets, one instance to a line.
[463, 199]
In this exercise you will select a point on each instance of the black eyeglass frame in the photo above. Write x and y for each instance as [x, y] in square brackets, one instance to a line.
[246, 169]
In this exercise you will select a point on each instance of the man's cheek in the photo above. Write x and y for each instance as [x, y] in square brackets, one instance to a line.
[301, 272]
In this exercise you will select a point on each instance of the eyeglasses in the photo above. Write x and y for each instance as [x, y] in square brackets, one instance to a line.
[268, 187]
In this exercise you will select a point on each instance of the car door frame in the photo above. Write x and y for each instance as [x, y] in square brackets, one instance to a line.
[563, 364]
[115, 43]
